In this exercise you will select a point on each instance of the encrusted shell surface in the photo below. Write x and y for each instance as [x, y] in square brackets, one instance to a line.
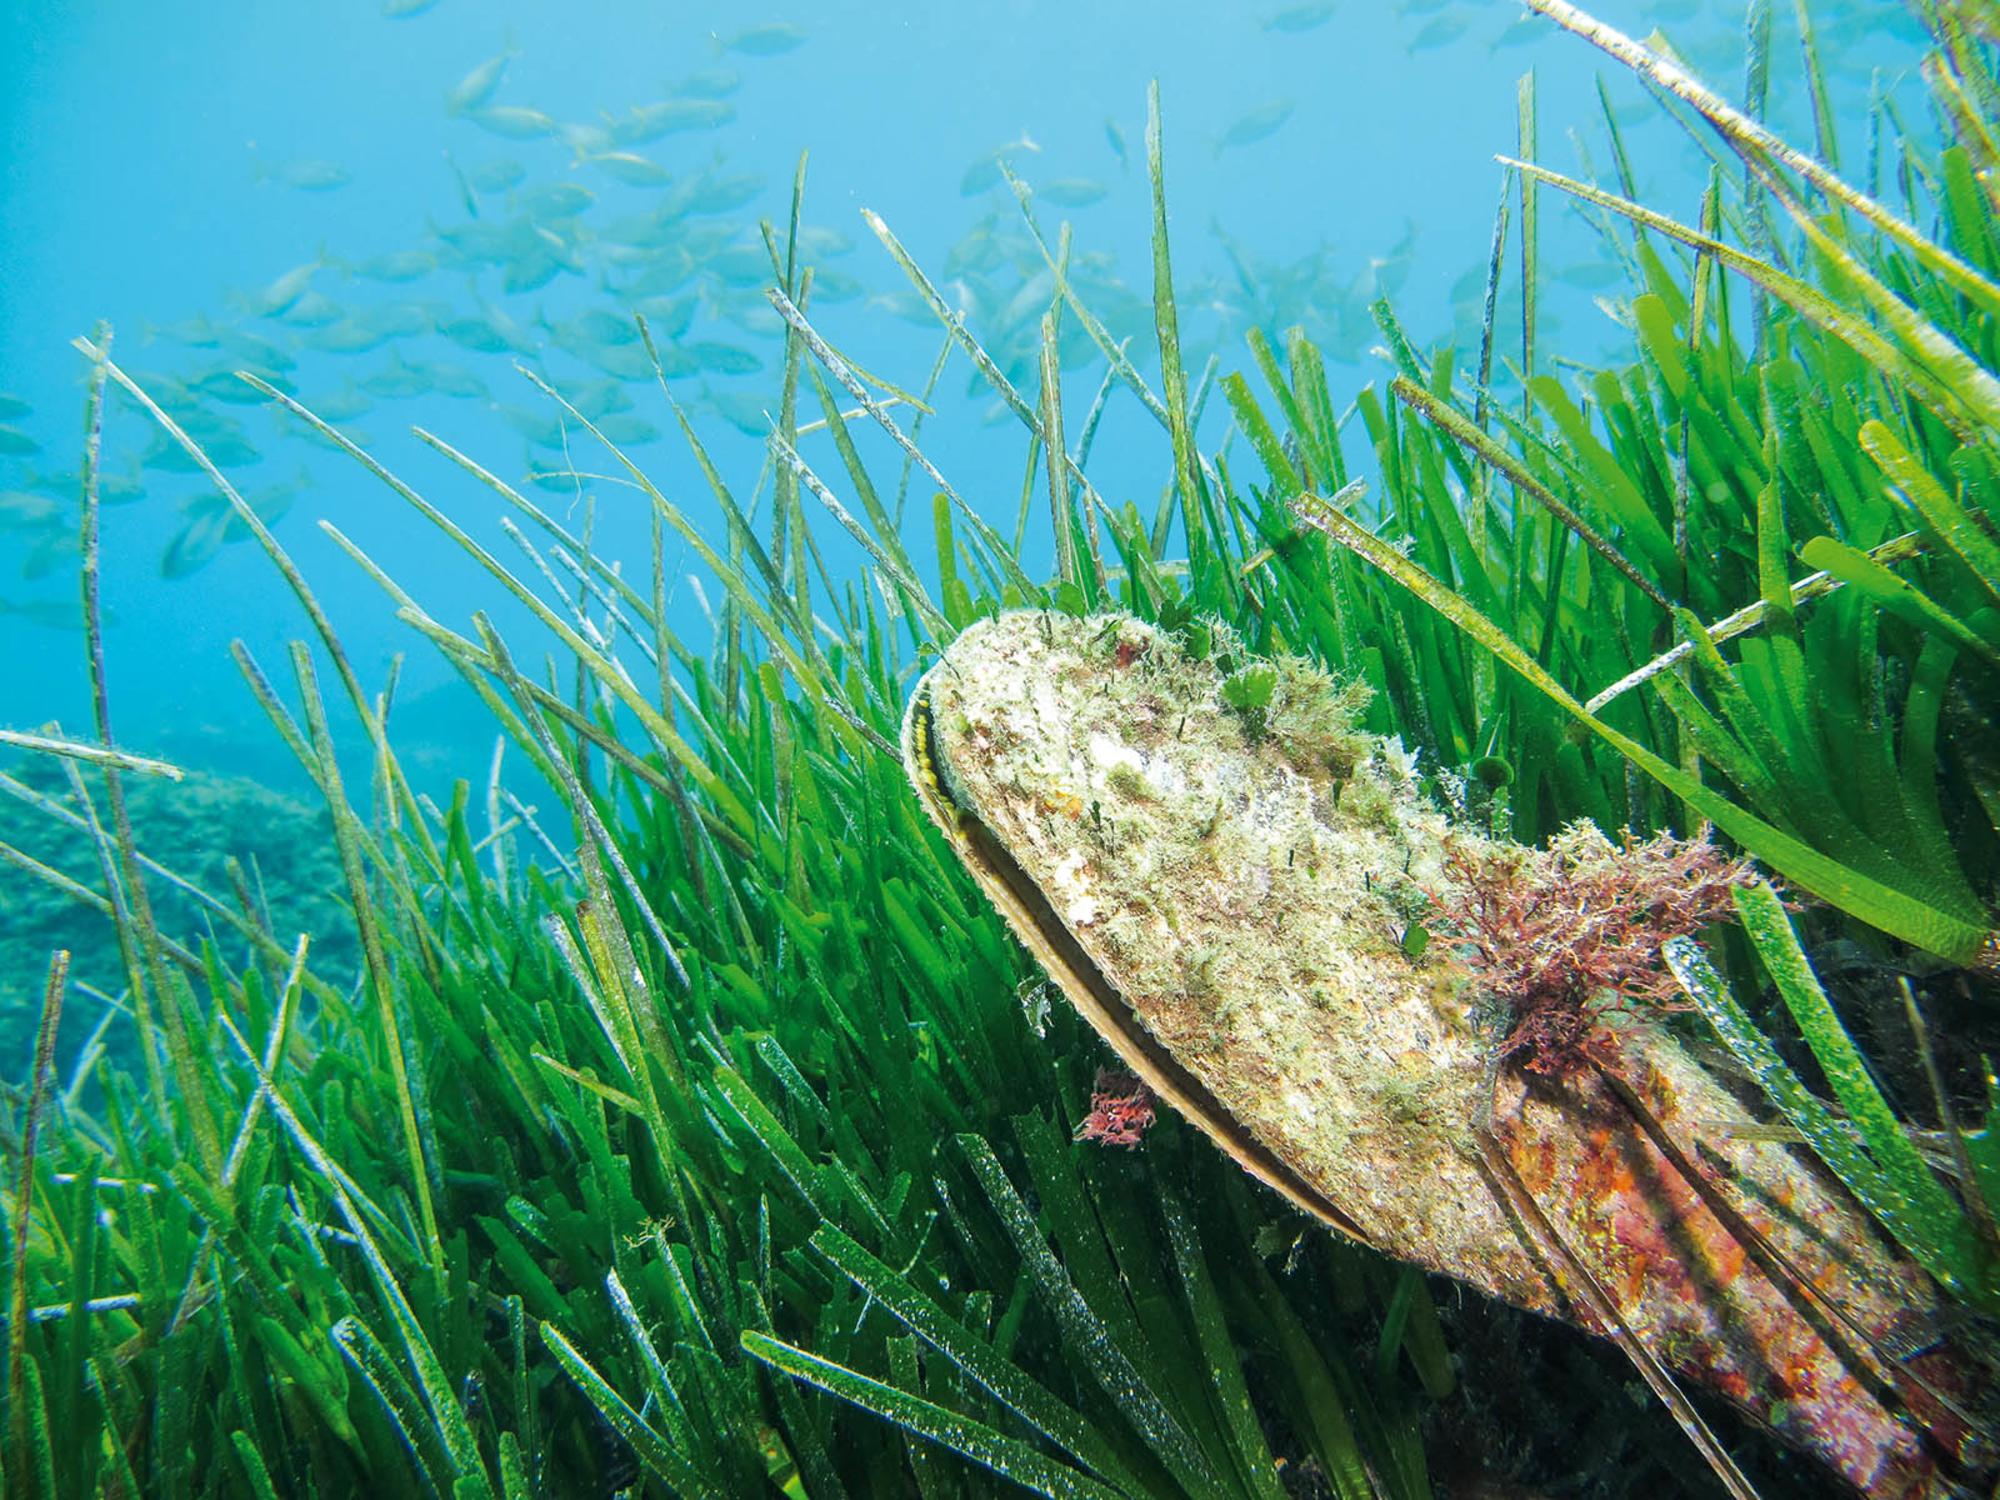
[1249, 905]
[1223, 886]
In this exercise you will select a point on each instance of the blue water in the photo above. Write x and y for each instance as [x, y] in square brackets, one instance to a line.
[166, 164]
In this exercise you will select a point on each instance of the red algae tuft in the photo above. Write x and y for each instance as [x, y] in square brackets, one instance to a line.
[1563, 934]
[1121, 1110]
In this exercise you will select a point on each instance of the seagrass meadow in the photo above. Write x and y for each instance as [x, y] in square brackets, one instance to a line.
[665, 1112]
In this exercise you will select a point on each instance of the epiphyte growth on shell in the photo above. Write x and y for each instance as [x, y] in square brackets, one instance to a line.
[1222, 871]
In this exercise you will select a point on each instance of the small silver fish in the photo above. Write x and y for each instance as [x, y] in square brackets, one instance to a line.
[477, 87]
[648, 122]
[1259, 124]
[309, 176]
[630, 168]
[1115, 138]
[1298, 18]
[497, 176]
[1072, 192]
[286, 290]
[515, 122]
[771, 40]
[397, 265]
[710, 83]
[1438, 33]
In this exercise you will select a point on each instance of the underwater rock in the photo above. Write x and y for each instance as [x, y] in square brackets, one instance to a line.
[194, 827]
[1262, 912]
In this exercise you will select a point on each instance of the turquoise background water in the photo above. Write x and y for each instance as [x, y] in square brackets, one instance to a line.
[165, 164]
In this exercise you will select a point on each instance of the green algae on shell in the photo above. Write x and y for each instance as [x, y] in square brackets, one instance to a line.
[1221, 872]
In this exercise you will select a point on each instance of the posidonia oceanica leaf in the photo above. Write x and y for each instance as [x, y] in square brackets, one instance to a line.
[893, 567]
[1900, 597]
[1929, 1207]
[1959, 938]
[1219, 1351]
[1019, 1392]
[1008, 1457]
[1717, 744]
[1257, 428]
[615, 681]
[994, 548]
[1084, 1331]
[1166, 323]
[96, 755]
[1851, 328]
[1478, 443]
[1954, 527]
[1894, 1185]
[1753, 139]
[364, 1350]
[1750, 617]
[1970, 382]
[653, 1451]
